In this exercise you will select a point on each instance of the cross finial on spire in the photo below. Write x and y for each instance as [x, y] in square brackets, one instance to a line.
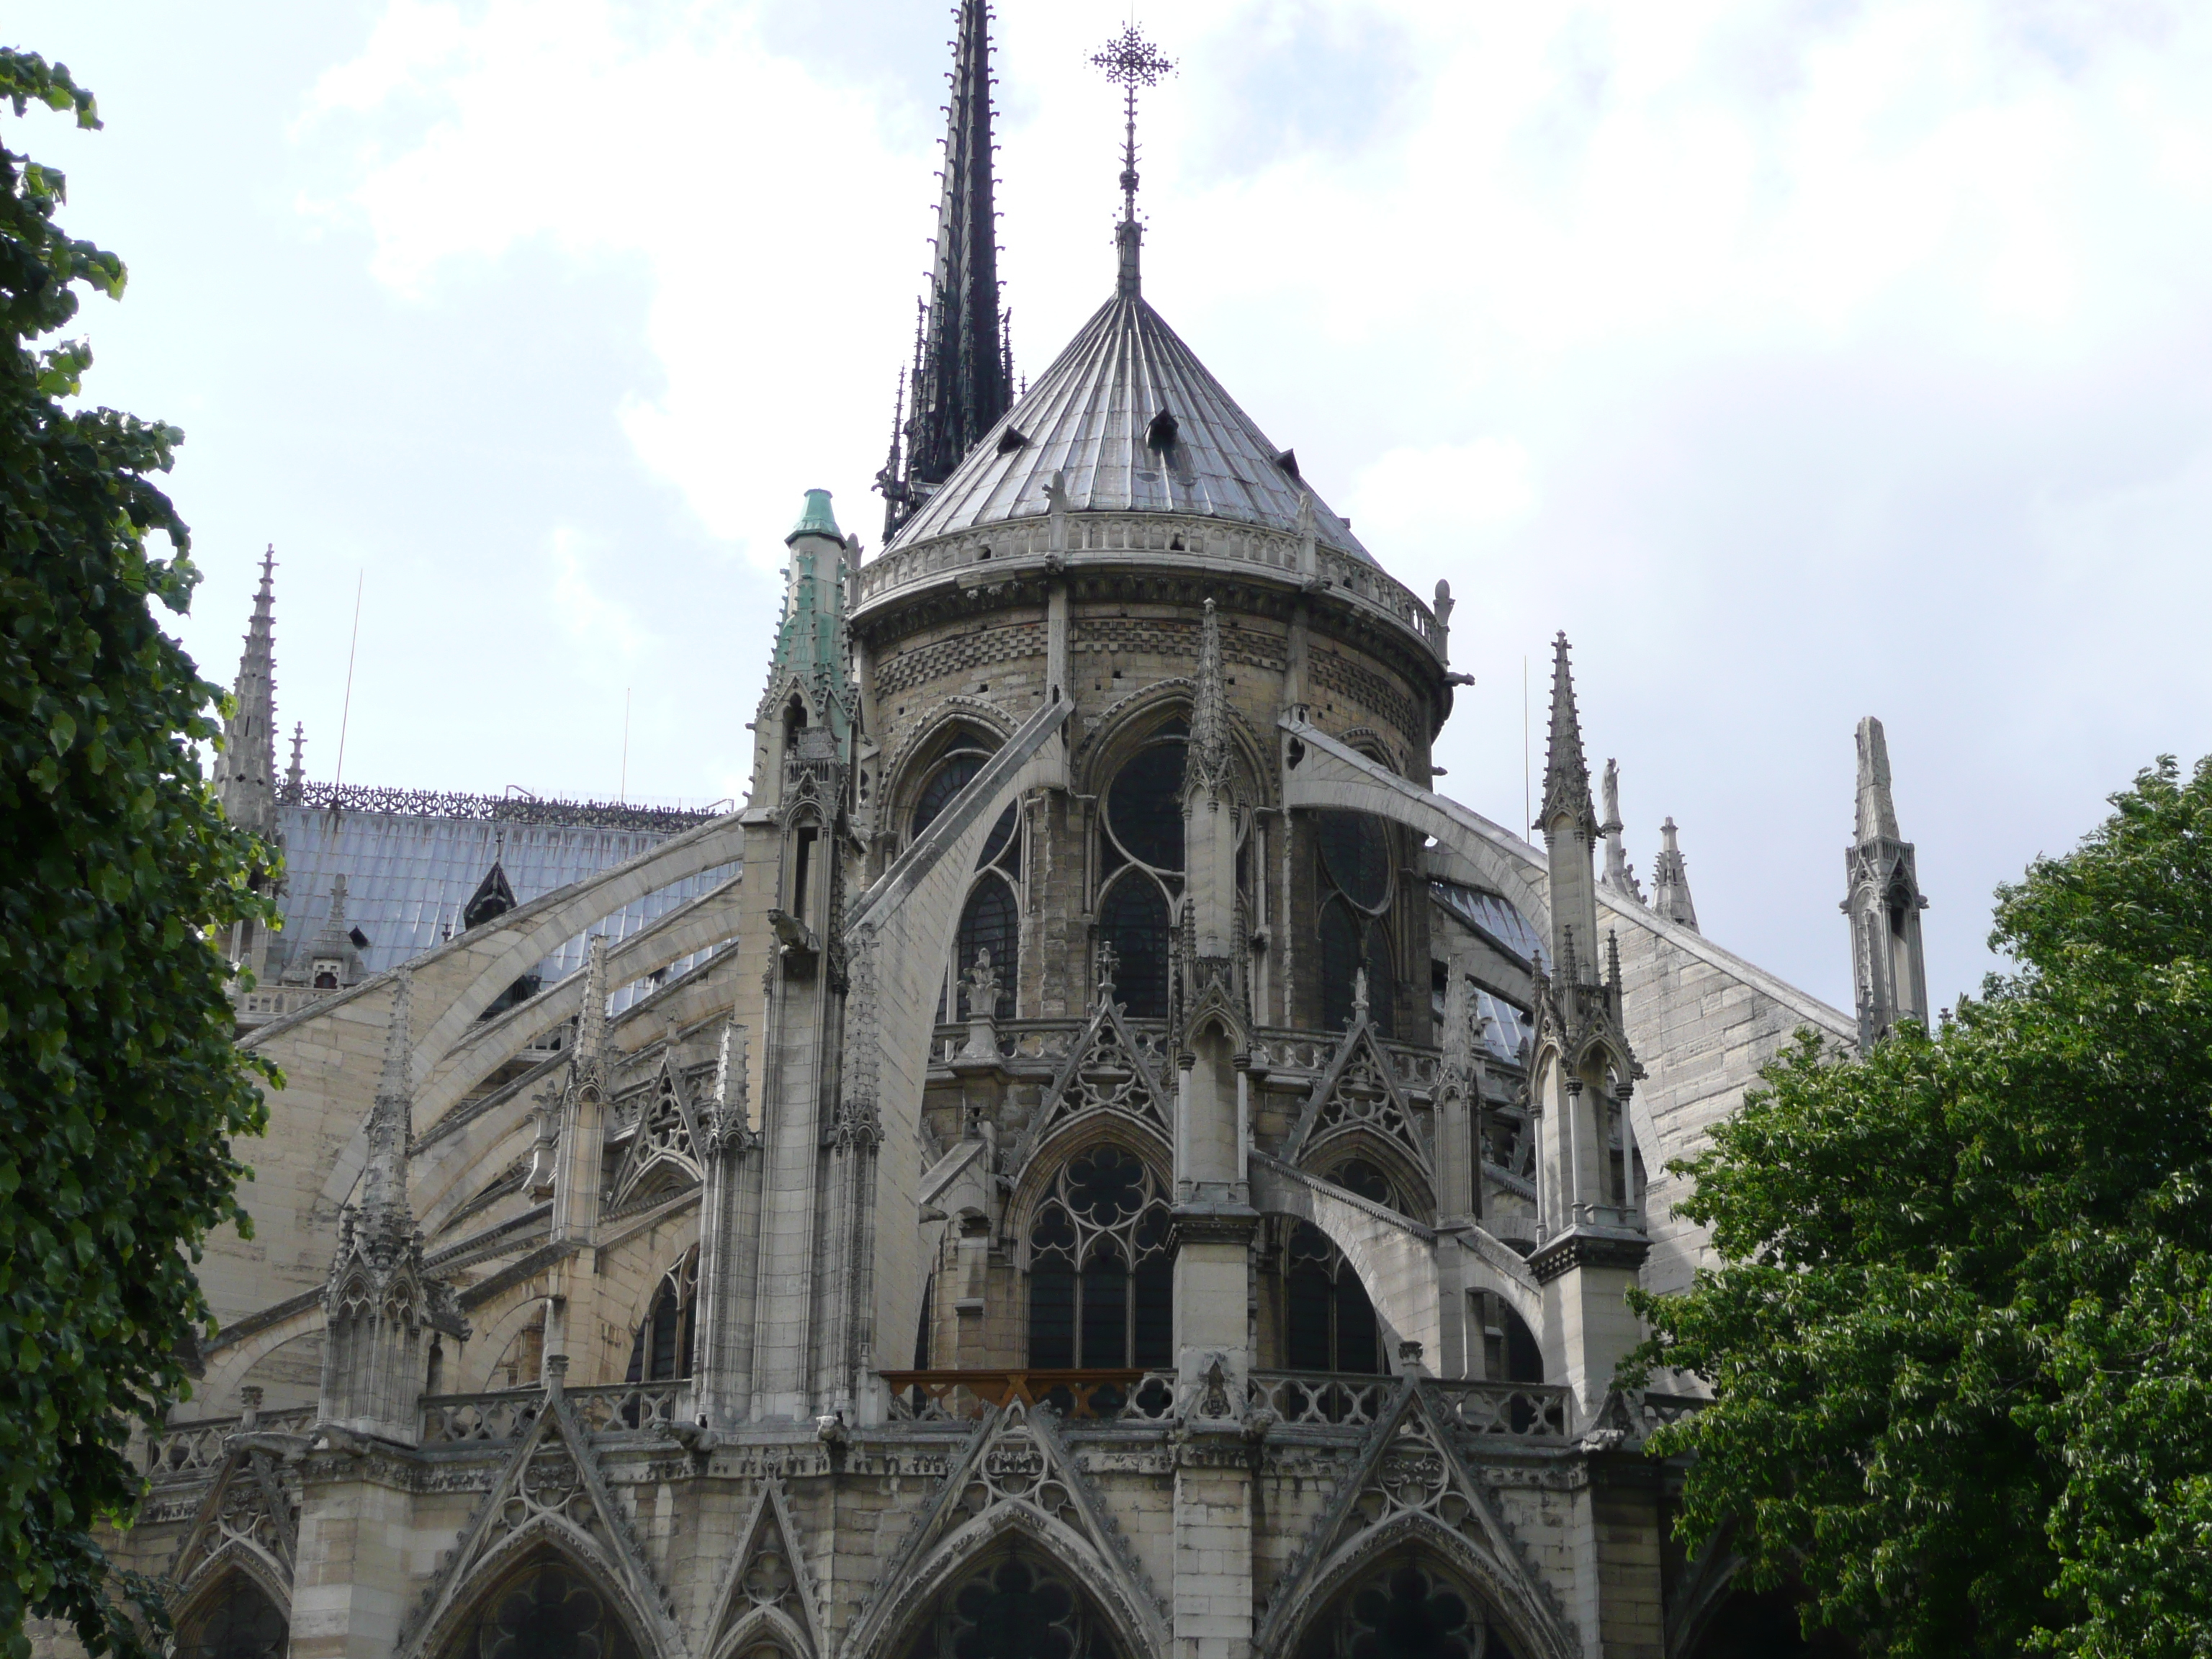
[1130, 62]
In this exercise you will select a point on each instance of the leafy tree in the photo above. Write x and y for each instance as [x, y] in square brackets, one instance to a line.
[120, 1089]
[1960, 1344]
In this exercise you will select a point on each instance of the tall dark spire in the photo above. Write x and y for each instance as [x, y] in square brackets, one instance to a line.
[962, 378]
[1130, 62]
[1882, 898]
[246, 769]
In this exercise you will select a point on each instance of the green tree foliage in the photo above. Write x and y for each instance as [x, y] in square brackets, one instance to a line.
[1961, 1342]
[120, 1089]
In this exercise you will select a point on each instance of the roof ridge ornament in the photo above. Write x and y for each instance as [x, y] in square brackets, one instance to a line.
[1130, 62]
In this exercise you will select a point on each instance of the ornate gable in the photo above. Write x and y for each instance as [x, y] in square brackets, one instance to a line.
[250, 1509]
[1014, 1474]
[769, 1585]
[664, 1150]
[1410, 1484]
[1359, 1091]
[552, 1489]
[1105, 1072]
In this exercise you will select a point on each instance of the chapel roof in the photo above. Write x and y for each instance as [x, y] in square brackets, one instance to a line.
[1096, 415]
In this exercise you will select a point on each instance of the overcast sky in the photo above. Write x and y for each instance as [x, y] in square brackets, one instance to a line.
[1801, 361]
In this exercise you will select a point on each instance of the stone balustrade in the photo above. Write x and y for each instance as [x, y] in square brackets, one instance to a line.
[1090, 1396]
[1109, 537]
[459, 1419]
[181, 1450]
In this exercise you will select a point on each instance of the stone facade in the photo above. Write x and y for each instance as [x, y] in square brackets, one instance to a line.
[1123, 1167]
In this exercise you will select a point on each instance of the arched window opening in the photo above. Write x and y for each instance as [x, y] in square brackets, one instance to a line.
[1510, 1352]
[1356, 1175]
[1134, 920]
[1329, 1323]
[238, 1621]
[992, 922]
[1140, 854]
[1102, 1283]
[662, 1350]
[1356, 883]
[546, 1611]
[1013, 1608]
[1406, 1610]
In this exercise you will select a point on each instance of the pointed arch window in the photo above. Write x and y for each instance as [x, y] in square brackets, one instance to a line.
[1329, 1323]
[238, 1621]
[1407, 1609]
[990, 919]
[548, 1610]
[1141, 858]
[1355, 886]
[1102, 1267]
[662, 1349]
[1013, 1608]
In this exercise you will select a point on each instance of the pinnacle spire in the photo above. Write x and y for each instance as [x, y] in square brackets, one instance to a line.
[1566, 774]
[1208, 767]
[1882, 898]
[962, 378]
[1877, 810]
[384, 1181]
[1618, 874]
[246, 783]
[1670, 882]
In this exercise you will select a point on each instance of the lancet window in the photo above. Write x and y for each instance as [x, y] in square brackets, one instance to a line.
[237, 1621]
[1140, 862]
[662, 1349]
[1328, 1323]
[1356, 886]
[990, 919]
[1101, 1266]
[1013, 1608]
[547, 1610]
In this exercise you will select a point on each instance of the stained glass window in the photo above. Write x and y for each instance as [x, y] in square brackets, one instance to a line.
[547, 1610]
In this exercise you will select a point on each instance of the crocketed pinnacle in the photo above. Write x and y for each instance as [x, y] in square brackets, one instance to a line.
[962, 377]
[1566, 774]
[247, 786]
[383, 1206]
[1670, 882]
[1208, 770]
[1877, 808]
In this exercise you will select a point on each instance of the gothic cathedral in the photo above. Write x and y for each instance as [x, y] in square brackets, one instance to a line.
[1094, 1159]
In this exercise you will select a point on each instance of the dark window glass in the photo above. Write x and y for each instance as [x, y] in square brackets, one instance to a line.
[662, 1349]
[1382, 983]
[1360, 1177]
[1052, 1316]
[1355, 850]
[1106, 1186]
[1133, 919]
[991, 922]
[1409, 1616]
[1154, 1323]
[998, 842]
[1339, 962]
[1016, 1612]
[1105, 1309]
[545, 1611]
[239, 1623]
[950, 779]
[1524, 1359]
[1144, 808]
[1355, 1325]
[1308, 1295]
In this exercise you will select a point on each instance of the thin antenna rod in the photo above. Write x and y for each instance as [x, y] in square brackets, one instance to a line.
[621, 789]
[345, 717]
[1527, 802]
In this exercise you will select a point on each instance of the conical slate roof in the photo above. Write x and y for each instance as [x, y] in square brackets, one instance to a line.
[1096, 415]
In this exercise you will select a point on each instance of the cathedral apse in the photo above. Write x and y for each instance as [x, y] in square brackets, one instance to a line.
[1095, 1157]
